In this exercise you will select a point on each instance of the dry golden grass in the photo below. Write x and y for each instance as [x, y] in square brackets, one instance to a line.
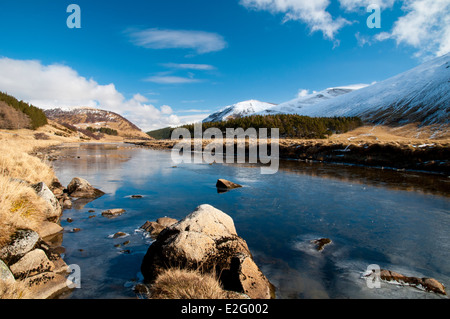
[186, 284]
[20, 208]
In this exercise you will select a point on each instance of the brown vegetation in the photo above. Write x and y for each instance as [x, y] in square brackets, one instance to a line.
[177, 283]
[12, 119]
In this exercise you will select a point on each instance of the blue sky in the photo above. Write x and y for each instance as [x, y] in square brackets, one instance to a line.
[167, 62]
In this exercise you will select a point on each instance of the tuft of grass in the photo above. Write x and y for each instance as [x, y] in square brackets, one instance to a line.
[186, 284]
[20, 208]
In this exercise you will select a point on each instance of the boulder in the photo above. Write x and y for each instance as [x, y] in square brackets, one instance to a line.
[54, 210]
[22, 241]
[46, 285]
[5, 273]
[427, 284]
[80, 188]
[112, 213]
[56, 187]
[48, 229]
[166, 221]
[33, 263]
[223, 185]
[67, 204]
[207, 240]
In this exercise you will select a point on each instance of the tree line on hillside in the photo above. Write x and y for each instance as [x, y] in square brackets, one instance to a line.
[289, 125]
[104, 130]
[36, 115]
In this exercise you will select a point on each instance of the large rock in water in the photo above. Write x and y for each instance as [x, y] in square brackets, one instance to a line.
[81, 188]
[207, 240]
[427, 284]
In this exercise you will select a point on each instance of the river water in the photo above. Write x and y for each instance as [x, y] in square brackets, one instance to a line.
[397, 220]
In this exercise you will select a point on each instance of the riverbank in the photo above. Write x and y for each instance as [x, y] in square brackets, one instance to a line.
[368, 146]
[30, 211]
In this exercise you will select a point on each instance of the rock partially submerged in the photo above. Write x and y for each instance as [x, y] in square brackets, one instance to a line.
[155, 228]
[427, 284]
[80, 188]
[321, 243]
[207, 240]
[223, 185]
[112, 213]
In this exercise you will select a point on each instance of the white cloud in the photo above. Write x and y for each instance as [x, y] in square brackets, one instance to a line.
[355, 5]
[165, 109]
[426, 26]
[313, 13]
[55, 85]
[171, 79]
[200, 67]
[199, 41]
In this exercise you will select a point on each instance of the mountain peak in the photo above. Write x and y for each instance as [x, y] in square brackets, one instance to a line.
[240, 109]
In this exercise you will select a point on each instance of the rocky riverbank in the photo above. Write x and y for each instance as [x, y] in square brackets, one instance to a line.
[31, 264]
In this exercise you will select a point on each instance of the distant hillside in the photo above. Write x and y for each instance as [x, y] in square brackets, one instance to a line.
[97, 121]
[15, 114]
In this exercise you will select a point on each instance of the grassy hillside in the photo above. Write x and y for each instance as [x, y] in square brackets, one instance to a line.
[96, 122]
[36, 115]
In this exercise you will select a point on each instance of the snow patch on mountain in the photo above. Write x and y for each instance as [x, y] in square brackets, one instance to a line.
[293, 106]
[238, 110]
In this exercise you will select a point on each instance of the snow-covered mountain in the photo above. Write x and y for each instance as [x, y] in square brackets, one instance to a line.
[420, 95]
[238, 110]
[294, 105]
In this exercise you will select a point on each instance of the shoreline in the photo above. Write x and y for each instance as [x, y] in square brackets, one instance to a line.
[431, 158]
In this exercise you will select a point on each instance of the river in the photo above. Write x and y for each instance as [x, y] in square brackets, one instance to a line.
[397, 220]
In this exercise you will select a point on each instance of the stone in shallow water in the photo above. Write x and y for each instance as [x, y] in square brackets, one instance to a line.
[321, 243]
[427, 284]
[223, 185]
[111, 213]
[80, 188]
